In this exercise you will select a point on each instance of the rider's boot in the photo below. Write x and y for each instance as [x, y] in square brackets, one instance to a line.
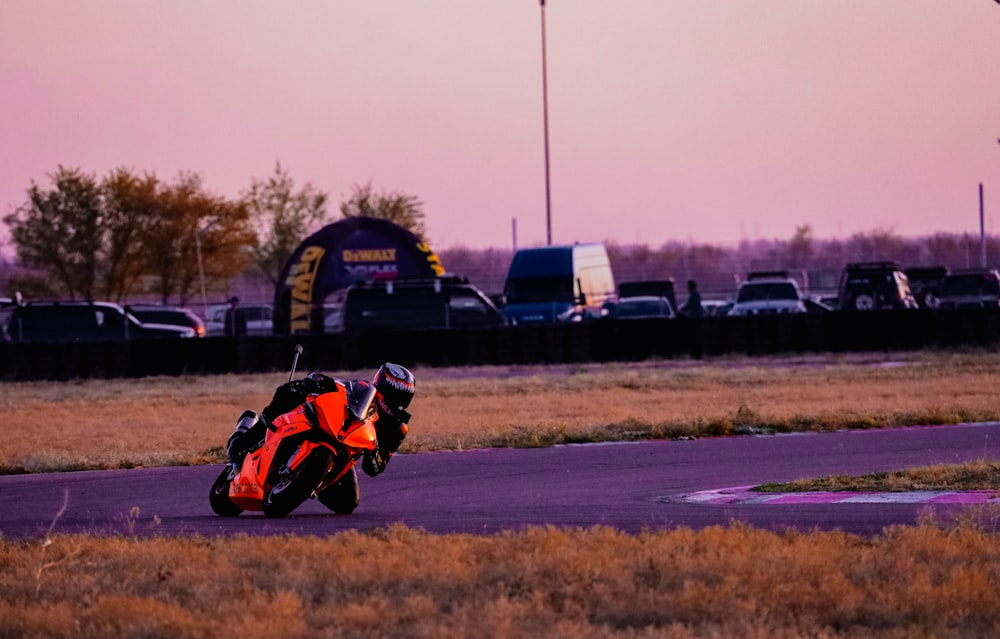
[245, 438]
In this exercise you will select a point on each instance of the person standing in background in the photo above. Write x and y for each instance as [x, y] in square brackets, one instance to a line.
[235, 320]
[692, 307]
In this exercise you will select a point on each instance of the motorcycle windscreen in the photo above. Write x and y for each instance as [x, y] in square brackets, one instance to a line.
[360, 398]
[359, 429]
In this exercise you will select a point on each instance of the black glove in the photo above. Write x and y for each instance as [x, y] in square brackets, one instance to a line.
[320, 383]
[311, 384]
[299, 387]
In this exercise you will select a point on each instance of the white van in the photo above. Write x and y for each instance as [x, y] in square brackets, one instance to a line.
[568, 283]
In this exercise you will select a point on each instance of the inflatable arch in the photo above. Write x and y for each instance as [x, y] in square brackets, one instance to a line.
[339, 255]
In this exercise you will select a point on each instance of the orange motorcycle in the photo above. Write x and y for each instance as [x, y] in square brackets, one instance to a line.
[307, 452]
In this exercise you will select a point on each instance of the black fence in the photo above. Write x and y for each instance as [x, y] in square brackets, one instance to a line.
[603, 340]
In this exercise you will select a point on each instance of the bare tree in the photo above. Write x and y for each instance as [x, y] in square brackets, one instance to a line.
[281, 218]
[396, 207]
[800, 247]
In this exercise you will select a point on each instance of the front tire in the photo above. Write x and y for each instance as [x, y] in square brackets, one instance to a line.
[344, 496]
[292, 487]
[219, 496]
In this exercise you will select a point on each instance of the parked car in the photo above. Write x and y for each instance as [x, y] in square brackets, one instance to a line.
[440, 302]
[260, 319]
[717, 308]
[871, 286]
[164, 314]
[333, 318]
[84, 321]
[7, 306]
[829, 300]
[656, 288]
[641, 307]
[925, 284]
[768, 292]
[971, 288]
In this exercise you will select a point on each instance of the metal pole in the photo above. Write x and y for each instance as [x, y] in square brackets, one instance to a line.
[201, 274]
[201, 268]
[982, 230]
[545, 119]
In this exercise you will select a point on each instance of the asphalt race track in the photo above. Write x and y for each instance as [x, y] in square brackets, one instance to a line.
[629, 486]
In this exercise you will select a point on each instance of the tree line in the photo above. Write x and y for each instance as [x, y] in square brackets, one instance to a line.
[128, 234]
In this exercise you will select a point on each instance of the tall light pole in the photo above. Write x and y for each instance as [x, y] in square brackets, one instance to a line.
[201, 273]
[201, 268]
[545, 120]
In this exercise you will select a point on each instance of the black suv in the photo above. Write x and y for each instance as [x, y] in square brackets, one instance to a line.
[925, 284]
[971, 288]
[83, 322]
[440, 302]
[872, 286]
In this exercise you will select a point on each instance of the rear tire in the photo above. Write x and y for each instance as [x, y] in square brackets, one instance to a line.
[219, 496]
[344, 496]
[292, 487]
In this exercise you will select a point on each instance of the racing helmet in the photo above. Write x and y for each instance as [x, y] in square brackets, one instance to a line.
[395, 386]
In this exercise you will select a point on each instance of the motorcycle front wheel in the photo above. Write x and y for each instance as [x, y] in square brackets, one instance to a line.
[219, 496]
[293, 486]
[344, 496]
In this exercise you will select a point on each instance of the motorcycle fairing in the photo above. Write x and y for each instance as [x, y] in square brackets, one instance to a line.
[295, 434]
[360, 434]
[343, 422]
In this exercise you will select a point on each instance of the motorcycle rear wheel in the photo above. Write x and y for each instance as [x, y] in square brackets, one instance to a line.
[292, 487]
[219, 496]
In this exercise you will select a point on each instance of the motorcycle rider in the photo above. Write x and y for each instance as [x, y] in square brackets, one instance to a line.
[394, 386]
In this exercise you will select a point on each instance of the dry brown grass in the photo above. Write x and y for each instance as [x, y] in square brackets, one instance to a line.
[975, 475]
[938, 579]
[186, 420]
[542, 582]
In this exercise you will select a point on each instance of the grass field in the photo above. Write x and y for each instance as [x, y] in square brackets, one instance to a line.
[935, 579]
[97, 424]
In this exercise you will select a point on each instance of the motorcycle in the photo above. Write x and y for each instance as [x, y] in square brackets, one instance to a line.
[310, 451]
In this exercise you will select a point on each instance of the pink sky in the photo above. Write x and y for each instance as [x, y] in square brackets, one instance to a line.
[706, 121]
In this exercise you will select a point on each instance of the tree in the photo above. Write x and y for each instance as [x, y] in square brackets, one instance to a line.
[281, 218]
[132, 207]
[61, 231]
[396, 207]
[800, 247]
[878, 244]
[193, 222]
